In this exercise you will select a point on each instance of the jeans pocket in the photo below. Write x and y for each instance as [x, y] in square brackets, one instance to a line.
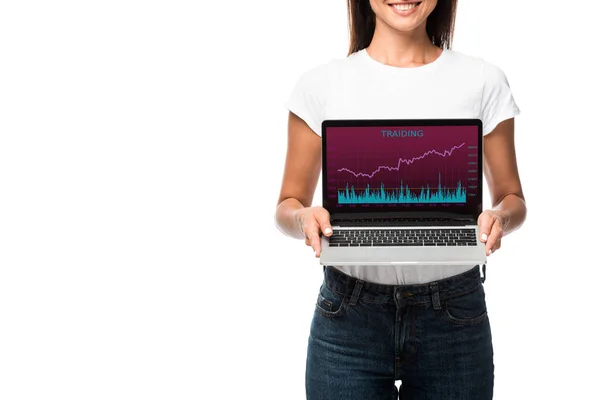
[468, 308]
[329, 303]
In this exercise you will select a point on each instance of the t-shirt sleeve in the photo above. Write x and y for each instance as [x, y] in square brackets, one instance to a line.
[306, 100]
[497, 102]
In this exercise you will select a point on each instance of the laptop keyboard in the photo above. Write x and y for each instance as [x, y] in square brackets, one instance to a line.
[403, 237]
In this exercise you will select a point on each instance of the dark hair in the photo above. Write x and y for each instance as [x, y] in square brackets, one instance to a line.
[361, 23]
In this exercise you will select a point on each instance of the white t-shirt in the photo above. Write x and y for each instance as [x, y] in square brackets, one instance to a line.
[358, 87]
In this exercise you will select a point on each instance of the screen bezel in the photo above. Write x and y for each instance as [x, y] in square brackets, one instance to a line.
[472, 211]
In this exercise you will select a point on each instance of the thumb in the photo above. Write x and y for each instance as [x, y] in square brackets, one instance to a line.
[323, 219]
[485, 226]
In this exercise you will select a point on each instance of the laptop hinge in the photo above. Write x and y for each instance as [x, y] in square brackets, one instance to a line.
[404, 220]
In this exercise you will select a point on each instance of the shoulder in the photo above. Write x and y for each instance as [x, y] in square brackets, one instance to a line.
[324, 71]
[488, 77]
[489, 74]
[496, 101]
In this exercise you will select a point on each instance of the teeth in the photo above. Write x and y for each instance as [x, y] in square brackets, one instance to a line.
[404, 7]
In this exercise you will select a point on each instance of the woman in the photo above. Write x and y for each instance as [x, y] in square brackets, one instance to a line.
[426, 326]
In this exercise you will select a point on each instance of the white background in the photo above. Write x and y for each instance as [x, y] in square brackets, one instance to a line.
[142, 149]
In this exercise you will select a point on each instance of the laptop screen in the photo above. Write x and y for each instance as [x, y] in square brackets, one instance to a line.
[406, 166]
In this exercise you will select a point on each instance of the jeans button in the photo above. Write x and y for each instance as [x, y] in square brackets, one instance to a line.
[399, 295]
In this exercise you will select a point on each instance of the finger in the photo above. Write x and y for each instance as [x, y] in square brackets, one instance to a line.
[315, 243]
[306, 241]
[493, 241]
[485, 226]
[497, 245]
[324, 223]
[312, 235]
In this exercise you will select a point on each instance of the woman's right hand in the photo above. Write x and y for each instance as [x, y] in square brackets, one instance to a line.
[312, 222]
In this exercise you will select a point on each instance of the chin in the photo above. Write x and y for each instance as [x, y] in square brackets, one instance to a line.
[404, 26]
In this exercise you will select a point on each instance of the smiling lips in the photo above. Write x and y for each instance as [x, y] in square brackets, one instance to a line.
[404, 8]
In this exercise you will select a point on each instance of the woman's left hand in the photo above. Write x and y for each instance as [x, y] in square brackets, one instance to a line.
[491, 228]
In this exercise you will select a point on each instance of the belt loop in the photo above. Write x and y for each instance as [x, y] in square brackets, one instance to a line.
[483, 277]
[435, 296]
[356, 292]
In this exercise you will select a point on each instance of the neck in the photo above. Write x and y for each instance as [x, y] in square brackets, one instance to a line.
[402, 49]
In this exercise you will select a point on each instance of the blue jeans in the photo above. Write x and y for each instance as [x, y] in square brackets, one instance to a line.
[434, 337]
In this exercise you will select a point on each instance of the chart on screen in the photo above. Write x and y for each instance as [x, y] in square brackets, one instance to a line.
[433, 165]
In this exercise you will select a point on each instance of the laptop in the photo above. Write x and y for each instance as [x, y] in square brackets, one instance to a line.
[402, 191]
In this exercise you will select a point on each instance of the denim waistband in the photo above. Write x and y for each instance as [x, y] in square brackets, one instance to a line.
[438, 290]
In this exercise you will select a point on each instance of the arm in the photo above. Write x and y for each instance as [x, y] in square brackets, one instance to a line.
[501, 173]
[294, 215]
